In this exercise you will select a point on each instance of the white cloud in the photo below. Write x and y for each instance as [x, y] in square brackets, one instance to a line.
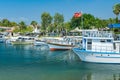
[23, 19]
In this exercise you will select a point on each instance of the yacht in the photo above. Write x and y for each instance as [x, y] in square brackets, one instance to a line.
[99, 47]
[24, 40]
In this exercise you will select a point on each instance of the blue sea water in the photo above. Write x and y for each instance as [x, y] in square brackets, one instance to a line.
[28, 62]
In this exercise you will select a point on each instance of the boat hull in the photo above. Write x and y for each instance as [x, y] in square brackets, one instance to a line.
[2, 40]
[21, 43]
[97, 57]
[54, 47]
[40, 43]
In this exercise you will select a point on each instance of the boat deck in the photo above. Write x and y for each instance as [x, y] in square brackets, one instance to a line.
[89, 52]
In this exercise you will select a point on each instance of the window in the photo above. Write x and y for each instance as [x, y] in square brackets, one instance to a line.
[89, 42]
[102, 40]
[109, 40]
[114, 45]
[96, 40]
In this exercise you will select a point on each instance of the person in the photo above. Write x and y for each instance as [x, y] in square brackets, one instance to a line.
[11, 33]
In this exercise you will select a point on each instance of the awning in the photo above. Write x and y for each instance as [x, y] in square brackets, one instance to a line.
[76, 30]
[114, 25]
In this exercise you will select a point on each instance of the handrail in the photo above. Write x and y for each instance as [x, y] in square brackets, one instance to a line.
[97, 34]
[102, 48]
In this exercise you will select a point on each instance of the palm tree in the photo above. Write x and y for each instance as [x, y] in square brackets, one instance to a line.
[34, 23]
[22, 25]
[5, 22]
[116, 11]
[35, 26]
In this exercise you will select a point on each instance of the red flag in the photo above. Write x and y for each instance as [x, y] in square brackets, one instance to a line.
[77, 14]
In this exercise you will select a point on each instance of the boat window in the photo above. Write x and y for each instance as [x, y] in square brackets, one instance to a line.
[102, 40]
[96, 40]
[24, 38]
[114, 45]
[89, 42]
[109, 40]
[89, 47]
[30, 38]
[19, 38]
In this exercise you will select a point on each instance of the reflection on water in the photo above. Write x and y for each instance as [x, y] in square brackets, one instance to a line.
[19, 62]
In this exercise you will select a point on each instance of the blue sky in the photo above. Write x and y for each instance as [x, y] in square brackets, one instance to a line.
[28, 10]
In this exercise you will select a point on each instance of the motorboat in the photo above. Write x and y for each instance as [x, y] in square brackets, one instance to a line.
[99, 47]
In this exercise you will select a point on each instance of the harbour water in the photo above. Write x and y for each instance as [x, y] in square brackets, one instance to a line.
[27, 62]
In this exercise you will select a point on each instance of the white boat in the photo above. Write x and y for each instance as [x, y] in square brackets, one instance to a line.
[60, 44]
[99, 47]
[11, 39]
[2, 38]
[23, 40]
[39, 43]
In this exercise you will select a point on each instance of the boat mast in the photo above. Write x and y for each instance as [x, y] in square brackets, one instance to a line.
[82, 19]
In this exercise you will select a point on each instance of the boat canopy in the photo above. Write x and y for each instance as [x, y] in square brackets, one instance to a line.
[114, 25]
[76, 30]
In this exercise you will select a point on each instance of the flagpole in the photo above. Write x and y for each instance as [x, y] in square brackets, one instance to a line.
[82, 19]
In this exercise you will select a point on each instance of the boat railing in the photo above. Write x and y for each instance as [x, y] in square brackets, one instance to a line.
[97, 48]
[117, 37]
[107, 34]
[57, 41]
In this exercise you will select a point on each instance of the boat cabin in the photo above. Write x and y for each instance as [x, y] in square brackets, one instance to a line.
[25, 38]
[100, 41]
